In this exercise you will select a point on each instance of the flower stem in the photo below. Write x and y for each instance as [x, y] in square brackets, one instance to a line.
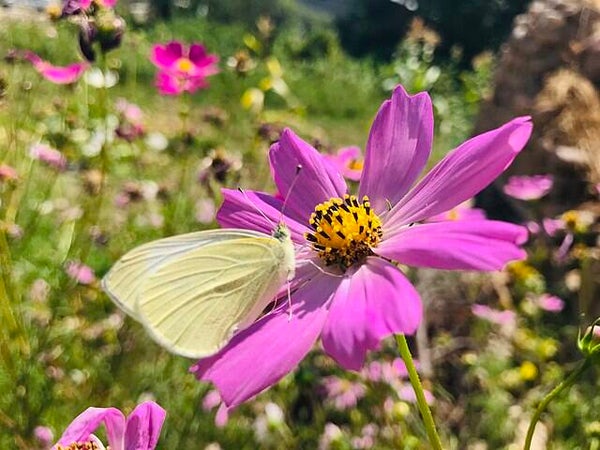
[432, 434]
[566, 383]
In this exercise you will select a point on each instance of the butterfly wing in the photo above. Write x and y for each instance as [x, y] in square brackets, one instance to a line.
[193, 303]
[125, 281]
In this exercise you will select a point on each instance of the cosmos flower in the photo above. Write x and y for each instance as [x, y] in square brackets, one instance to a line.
[464, 211]
[57, 74]
[140, 430]
[528, 187]
[346, 289]
[492, 315]
[343, 394]
[348, 161]
[48, 155]
[72, 7]
[180, 69]
[8, 173]
[80, 273]
[551, 303]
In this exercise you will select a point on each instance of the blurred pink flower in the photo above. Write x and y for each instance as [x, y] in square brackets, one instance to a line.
[213, 399]
[80, 272]
[57, 74]
[48, 155]
[180, 69]
[493, 315]
[71, 7]
[130, 120]
[141, 430]
[7, 173]
[464, 211]
[44, 436]
[551, 303]
[345, 290]
[528, 187]
[407, 394]
[348, 161]
[343, 394]
[205, 210]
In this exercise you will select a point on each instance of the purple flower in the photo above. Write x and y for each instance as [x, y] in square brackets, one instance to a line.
[464, 211]
[140, 430]
[346, 290]
[180, 69]
[528, 187]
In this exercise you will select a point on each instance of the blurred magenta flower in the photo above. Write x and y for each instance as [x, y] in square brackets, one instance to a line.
[348, 161]
[551, 303]
[528, 187]
[80, 272]
[346, 290]
[130, 117]
[212, 400]
[8, 173]
[464, 211]
[57, 74]
[140, 430]
[180, 69]
[492, 315]
[48, 155]
[343, 394]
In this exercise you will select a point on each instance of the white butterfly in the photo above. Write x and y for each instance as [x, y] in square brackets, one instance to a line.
[192, 292]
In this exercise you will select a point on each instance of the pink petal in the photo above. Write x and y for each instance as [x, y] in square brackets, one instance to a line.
[528, 187]
[243, 210]
[398, 147]
[374, 302]
[88, 421]
[262, 354]
[108, 3]
[316, 182]
[462, 173]
[57, 74]
[167, 84]
[463, 245]
[143, 426]
[343, 160]
[164, 56]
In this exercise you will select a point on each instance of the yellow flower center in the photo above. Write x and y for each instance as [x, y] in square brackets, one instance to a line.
[345, 230]
[184, 65]
[356, 164]
[80, 446]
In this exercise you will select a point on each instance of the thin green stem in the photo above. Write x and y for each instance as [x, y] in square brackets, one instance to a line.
[565, 384]
[413, 376]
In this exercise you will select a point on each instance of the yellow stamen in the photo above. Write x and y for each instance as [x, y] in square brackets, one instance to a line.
[356, 164]
[184, 65]
[345, 230]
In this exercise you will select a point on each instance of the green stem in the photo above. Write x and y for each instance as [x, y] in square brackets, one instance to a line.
[432, 434]
[566, 383]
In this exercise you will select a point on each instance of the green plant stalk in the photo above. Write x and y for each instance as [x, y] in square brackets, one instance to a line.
[432, 434]
[565, 384]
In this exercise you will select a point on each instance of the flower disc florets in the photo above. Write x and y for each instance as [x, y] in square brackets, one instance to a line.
[345, 230]
[80, 446]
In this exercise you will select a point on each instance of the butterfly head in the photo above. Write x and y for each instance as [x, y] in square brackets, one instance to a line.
[281, 232]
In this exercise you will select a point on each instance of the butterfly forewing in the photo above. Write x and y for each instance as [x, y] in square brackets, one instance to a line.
[193, 303]
[124, 282]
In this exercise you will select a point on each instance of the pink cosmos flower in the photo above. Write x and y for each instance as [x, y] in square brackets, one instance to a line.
[528, 187]
[551, 303]
[44, 437]
[493, 315]
[348, 161]
[48, 155]
[80, 272]
[211, 400]
[57, 74]
[180, 69]
[140, 430]
[71, 7]
[346, 290]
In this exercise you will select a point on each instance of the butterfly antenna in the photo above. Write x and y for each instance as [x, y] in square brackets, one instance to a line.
[287, 195]
[255, 207]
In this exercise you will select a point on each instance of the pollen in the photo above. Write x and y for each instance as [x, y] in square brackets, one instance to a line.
[80, 446]
[344, 230]
[184, 65]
